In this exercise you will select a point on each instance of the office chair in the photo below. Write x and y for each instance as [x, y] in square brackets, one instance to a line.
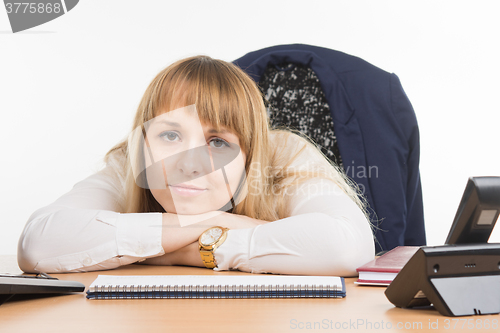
[362, 120]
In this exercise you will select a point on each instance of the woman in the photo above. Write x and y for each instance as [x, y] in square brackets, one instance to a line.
[201, 155]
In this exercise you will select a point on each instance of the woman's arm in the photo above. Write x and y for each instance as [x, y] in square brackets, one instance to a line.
[188, 255]
[183, 248]
[326, 234]
[180, 231]
[83, 231]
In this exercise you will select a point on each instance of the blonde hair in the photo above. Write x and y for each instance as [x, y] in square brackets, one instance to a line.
[225, 96]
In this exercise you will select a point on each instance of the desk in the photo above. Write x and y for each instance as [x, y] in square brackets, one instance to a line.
[364, 309]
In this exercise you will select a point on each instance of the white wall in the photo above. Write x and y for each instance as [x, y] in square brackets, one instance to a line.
[69, 88]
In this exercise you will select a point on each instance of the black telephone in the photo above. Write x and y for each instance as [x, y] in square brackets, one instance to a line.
[462, 277]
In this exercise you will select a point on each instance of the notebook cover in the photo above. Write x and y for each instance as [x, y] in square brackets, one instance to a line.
[391, 262]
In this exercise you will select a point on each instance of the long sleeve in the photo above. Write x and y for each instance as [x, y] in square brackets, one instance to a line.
[83, 231]
[326, 233]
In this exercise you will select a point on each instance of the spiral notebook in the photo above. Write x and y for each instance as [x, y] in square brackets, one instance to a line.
[215, 286]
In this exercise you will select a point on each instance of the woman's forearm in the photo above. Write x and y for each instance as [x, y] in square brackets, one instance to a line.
[186, 256]
[306, 244]
[180, 231]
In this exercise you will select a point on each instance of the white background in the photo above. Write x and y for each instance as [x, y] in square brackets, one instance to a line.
[69, 88]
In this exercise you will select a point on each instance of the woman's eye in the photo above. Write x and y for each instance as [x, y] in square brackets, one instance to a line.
[218, 143]
[170, 136]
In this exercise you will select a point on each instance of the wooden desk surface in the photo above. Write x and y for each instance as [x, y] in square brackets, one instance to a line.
[364, 309]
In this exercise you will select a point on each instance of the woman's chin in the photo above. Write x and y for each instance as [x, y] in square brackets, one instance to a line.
[193, 209]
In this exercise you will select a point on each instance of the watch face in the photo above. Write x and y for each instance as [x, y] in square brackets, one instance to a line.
[210, 236]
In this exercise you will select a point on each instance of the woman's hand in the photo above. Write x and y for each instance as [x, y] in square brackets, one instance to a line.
[180, 231]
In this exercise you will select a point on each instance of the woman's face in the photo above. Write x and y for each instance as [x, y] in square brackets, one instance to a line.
[191, 167]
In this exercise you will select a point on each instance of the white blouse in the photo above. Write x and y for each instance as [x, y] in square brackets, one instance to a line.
[325, 234]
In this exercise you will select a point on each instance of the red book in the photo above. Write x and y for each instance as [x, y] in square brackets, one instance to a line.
[382, 270]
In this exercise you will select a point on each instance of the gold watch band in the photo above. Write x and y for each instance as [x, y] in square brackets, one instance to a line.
[208, 258]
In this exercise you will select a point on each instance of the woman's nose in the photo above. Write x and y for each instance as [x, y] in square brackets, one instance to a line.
[195, 162]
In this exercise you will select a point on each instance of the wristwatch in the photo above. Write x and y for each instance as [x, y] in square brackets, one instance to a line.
[209, 241]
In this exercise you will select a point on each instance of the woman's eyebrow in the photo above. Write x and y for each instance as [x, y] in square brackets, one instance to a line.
[170, 123]
[213, 130]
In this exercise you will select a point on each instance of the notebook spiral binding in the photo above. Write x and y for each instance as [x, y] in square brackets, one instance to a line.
[234, 291]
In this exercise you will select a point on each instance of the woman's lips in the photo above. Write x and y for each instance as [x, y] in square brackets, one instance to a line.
[186, 190]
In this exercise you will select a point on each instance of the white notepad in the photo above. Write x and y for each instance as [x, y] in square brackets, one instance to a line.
[215, 286]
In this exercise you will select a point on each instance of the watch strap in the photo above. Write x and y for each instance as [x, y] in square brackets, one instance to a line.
[208, 258]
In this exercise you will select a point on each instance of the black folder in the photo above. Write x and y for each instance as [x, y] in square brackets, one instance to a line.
[42, 283]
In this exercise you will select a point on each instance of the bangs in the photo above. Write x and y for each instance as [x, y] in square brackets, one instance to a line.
[221, 96]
